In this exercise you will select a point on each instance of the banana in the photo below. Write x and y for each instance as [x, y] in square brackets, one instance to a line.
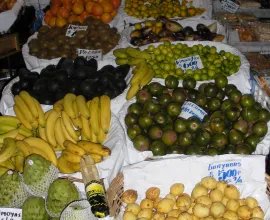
[58, 106]
[101, 136]
[8, 149]
[120, 53]
[105, 113]
[57, 148]
[64, 166]
[67, 103]
[96, 157]
[75, 166]
[21, 117]
[135, 61]
[12, 134]
[27, 98]
[40, 152]
[81, 103]
[8, 164]
[19, 163]
[44, 146]
[24, 108]
[74, 148]
[76, 121]
[135, 53]
[92, 148]
[41, 116]
[147, 77]
[10, 120]
[65, 132]
[94, 121]
[59, 135]
[121, 61]
[19, 137]
[49, 130]
[132, 91]
[69, 126]
[83, 137]
[88, 105]
[70, 157]
[94, 138]
[86, 128]
[24, 131]
[42, 133]
[47, 113]
[78, 133]
[24, 148]
[34, 125]
[140, 73]
[3, 170]
[6, 128]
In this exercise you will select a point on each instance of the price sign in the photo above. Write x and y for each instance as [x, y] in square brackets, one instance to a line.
[190, 109]
[229, 171]
[10, 214]
[229, 6]
[193, 63]
[72, 29]
[89, 54]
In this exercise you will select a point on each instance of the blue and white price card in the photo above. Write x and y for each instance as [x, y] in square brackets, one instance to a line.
[10, 214]
[193, 63]
[190, 109]
[72, 29]
[89, 54]
[229, 171]
[229, 6]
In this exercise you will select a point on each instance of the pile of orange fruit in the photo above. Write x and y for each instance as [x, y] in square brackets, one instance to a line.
[63, 12]
[156, 8]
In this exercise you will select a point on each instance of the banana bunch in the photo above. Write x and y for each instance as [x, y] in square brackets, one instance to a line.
[29, 112]
[13, 153]
[11, 126]
[130, 56]
[142, 75]
[69, 161]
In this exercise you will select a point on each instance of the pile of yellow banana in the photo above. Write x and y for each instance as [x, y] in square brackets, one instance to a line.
[142, 75]
[13, 152]
[69, 162]
[130, 56]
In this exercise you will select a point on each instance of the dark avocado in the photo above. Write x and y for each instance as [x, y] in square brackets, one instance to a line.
[92, 63]
[69, 67]
[41, 85]
[106, 69]
[188, 30]
[62, 77]
[79, 61]
[74, 86]
[60, 94]
[47, 99]
[58, 66]
[121, 84]
[48, 71]
[122, 70]
[16, 88]
[53, 86]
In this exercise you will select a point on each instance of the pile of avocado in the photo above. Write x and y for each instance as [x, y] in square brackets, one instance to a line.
[234, 123]
[80, 77]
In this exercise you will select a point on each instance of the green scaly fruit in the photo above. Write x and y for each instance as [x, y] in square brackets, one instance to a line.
[60, 194]
[34, 209]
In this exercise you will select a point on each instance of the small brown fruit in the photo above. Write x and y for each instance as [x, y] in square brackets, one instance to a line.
[129, 196]
[152, 193]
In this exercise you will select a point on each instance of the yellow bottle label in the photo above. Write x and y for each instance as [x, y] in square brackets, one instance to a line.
[94, 188]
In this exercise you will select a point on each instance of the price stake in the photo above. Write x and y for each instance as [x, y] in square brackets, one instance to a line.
[89, 54]
[72, 30]
[229, 6]
[193, 63]
[229, 171]
[190, 109]
[10, 214]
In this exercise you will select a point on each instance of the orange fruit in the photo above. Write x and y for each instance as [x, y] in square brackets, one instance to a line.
[71, 18]
[191, 11]
[56, 3]
[48, 17]
[52, 22]
[84, 15]
[107, 6]
[97, 9]
[60, 22]
[77, 8]
[89, 6]
[106, 17]
[114, 13]
[63, 12]
[115, 3]
[67, 6]
[67, 2]
[183, 14]
[54, 10]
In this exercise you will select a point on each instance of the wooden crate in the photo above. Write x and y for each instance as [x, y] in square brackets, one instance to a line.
[9, 44]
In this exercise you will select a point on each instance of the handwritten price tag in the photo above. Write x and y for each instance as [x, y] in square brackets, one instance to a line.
[10, 214]
[229, 6]
[89, 54]
[193, 63]
[229, 171]
[190, 109]
[72, 29]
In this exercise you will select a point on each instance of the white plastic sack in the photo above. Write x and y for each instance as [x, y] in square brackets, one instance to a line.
[38, 3]
[7, 18]
[190, 170]
[206, 4]
[192, 22]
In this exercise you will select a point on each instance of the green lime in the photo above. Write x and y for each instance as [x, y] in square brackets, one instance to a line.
[221, 81]
[189, 72]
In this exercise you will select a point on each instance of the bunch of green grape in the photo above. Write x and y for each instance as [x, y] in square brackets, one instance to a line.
[163, 59]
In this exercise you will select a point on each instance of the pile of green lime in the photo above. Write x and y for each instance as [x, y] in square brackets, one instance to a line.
[163, 59]
[233, 124]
